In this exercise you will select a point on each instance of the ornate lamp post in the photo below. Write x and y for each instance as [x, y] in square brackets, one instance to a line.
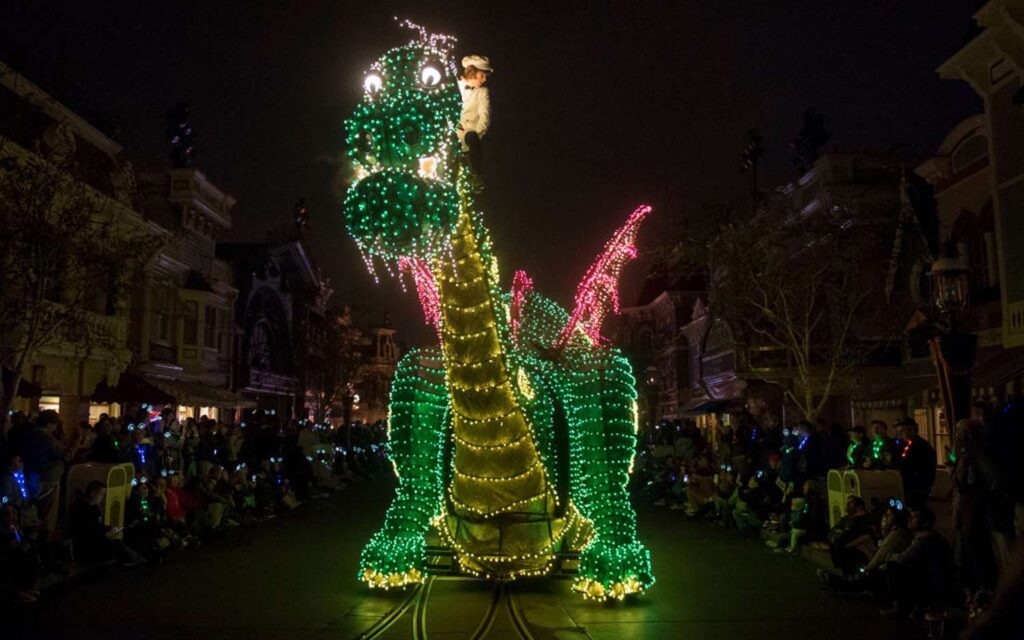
[953, 350]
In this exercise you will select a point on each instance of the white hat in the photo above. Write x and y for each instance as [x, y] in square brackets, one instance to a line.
[480, 62]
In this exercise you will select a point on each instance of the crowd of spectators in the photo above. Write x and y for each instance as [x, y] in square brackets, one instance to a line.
[192, 479]
[769, 483]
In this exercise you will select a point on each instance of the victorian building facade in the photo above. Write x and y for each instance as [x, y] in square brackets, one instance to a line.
[183, 335]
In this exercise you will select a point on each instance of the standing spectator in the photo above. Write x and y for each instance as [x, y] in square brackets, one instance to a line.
[812, 446]
[190, 449]
[143, 454]
[169, 421]
[171, 456]
[1001, 446]
[881, 446]
[19, 433]
[104, 448]
[78, 443]
[44, 468]
[916, 464]
[973, 487]
[836, 441]
[858, 451]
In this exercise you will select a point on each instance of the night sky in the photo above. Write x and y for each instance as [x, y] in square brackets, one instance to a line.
[597, 106]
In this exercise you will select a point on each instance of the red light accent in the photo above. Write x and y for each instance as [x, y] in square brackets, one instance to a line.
[522, 284]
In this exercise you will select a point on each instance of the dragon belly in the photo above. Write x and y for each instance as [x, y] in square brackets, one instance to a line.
[501, 511]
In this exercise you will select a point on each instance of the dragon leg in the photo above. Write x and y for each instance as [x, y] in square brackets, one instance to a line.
[396, 554]
[601, 410]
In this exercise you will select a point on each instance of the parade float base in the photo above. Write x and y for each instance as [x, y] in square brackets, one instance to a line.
[442, 561]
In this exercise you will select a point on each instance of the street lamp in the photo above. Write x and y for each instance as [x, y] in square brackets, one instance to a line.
[951, 292]
[952, 350]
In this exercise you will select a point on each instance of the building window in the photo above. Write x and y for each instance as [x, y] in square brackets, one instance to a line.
[210, 327]
[191, 323]
[999, 71]
[163, 314]
[971, 150]
[49, 403]
[259, 347]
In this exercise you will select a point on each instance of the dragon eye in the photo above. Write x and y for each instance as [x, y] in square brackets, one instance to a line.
[373, 83]
[430, 76]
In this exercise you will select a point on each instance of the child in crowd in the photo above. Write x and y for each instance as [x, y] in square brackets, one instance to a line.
[144, 518]
[725, 497]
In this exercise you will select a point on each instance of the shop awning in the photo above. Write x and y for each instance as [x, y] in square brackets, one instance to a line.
[131, 388]
[703, 406]
[26, 389]
[195, 394]
[897, 395]
[1002, 367]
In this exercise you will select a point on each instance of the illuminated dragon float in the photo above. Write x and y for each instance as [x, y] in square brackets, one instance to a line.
[515, 439]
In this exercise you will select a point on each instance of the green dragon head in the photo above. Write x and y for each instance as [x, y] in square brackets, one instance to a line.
[401, 141]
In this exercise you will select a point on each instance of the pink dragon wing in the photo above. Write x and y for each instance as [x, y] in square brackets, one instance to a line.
[598, 292]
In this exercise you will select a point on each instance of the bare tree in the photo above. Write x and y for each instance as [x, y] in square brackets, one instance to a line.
[795, 284]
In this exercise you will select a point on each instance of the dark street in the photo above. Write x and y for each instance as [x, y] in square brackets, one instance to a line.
[295, 577]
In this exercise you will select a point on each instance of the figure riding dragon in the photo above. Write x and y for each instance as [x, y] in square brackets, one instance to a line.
[515, 439]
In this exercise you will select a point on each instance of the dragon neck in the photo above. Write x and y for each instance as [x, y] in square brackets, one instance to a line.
[496, 464]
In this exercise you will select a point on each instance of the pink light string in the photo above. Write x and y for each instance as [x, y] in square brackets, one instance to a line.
[598, 292]
[522, 284]
[426, 288]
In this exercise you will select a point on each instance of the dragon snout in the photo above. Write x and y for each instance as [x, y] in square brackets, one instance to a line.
[393, 213]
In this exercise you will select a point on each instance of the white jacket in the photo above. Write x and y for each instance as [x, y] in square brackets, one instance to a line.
[476, 108]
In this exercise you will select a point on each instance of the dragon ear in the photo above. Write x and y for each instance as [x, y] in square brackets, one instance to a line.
[598, 292]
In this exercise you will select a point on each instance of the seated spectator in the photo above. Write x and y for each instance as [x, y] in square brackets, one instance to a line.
[896, 537]
[144, 517]
[243, 495]
[751, 505]
[92, 539]
[665, 477]
[725, 497]
[17, 555]
[804, 522]
[700, 489]
[173, 524]
[181, 509]
[921, 574]
[851, 544]
[216, 503]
